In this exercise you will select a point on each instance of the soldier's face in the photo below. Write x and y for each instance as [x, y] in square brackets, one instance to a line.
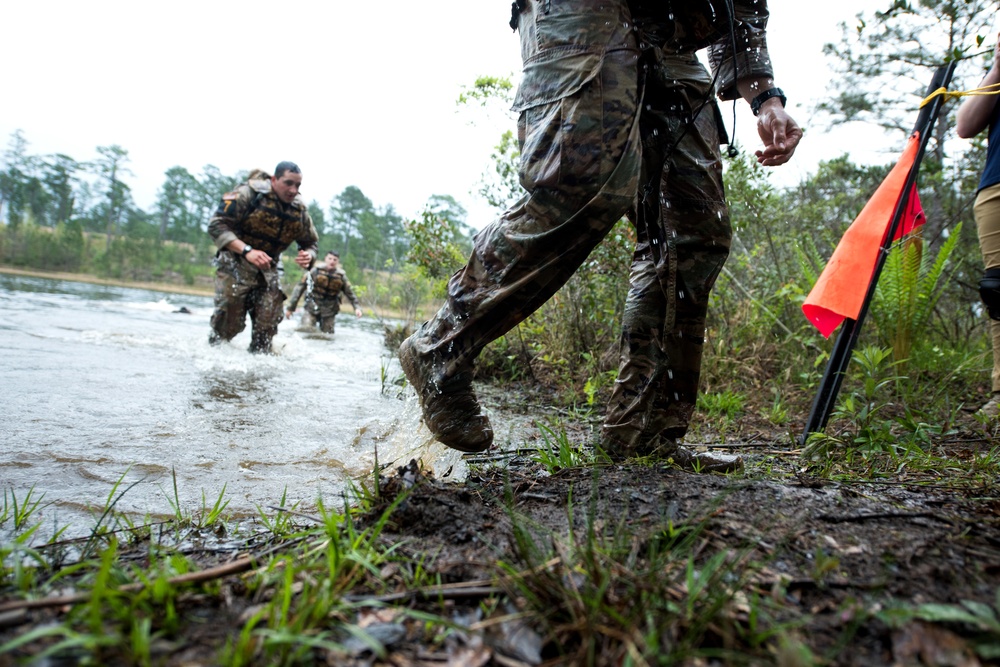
[332, 261]
[287, 186]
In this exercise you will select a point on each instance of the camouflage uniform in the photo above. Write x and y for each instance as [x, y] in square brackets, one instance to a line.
[255, 215]
[322, 288]
[597, 85]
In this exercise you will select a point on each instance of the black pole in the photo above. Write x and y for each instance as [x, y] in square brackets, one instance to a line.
[850, 330]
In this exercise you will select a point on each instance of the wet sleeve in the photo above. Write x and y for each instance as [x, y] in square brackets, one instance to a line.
[349, 293]
[309, 240]
[750, 57]
[224, 222]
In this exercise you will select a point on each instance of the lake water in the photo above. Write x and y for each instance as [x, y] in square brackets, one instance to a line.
[106, 386]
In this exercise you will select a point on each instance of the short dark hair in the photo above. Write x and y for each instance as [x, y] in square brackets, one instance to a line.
[284, 166]
[334, 253]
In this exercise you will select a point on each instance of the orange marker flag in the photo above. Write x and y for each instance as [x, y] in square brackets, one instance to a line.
[840, 291]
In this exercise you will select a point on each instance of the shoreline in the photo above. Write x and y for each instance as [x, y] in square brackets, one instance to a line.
[168, 288]
[94, 280]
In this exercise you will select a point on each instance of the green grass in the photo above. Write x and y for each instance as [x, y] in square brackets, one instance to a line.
[605, 594]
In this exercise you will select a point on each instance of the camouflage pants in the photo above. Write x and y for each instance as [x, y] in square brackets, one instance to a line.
[322, 313]
[579, 166]
[242, 289]
[684, 234]
[582, 167]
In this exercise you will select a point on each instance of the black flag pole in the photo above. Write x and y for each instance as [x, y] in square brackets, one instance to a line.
[850, 330]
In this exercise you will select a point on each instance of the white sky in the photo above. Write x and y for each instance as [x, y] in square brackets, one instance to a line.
[357, 93]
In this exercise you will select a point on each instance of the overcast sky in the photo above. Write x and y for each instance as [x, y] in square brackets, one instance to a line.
[358, 93]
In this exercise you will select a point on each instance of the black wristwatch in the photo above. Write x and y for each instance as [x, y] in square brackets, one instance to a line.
[246, 250]
[764, 97]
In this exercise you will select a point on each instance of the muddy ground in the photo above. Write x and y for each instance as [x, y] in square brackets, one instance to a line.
[892, 542]
[830, 554]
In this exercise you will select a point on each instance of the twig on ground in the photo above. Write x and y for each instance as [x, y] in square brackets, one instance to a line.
[211, 573]
[855, 518]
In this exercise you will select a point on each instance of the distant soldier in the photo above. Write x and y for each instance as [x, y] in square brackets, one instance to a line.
[322, 303]
[253, 225]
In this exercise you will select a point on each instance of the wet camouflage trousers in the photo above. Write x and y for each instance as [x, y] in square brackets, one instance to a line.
[321, 313]
[242, 289]
[683, 238]
[581, 167]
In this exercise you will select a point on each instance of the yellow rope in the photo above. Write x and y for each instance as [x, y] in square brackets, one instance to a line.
[992, 89]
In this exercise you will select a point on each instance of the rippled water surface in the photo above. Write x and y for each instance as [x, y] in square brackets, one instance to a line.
[103, 385]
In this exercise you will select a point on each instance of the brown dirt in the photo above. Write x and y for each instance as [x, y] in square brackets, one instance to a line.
[831, 553]
[893, 542]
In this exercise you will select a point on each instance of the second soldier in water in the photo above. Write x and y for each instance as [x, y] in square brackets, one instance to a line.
[322, 288]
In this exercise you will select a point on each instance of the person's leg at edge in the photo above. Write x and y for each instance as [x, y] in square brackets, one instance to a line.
[987, 214]
[579, 165]
[683, 235]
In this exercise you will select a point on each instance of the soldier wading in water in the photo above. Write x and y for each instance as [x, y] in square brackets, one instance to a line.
[617, 116]
[253, 225]
[328, 282]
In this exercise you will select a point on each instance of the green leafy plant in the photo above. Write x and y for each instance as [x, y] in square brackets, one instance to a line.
[909, 288]
[861, 411]
[210, 516]
[982, 619]
[558, 452]
[726, 404]
[777, 413]
[22, 510]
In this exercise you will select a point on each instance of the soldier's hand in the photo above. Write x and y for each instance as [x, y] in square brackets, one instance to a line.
[779, 132]
[357, 311]
[304, 259]
[288, 314]
[260, 259]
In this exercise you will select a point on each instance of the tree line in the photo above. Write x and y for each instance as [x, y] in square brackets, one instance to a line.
[84, 198]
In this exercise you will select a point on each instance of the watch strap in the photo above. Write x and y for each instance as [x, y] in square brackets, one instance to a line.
[756, 102]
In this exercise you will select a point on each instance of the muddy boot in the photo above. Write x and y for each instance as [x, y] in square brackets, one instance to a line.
[656, 447]
[991, 409]
[451, 411]
[663, 448]
[706, 461]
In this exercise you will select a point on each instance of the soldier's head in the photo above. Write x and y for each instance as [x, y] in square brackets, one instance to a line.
[286, 181]
[332, 259]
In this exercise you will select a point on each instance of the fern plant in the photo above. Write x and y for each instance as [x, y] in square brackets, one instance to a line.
[908, 290]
